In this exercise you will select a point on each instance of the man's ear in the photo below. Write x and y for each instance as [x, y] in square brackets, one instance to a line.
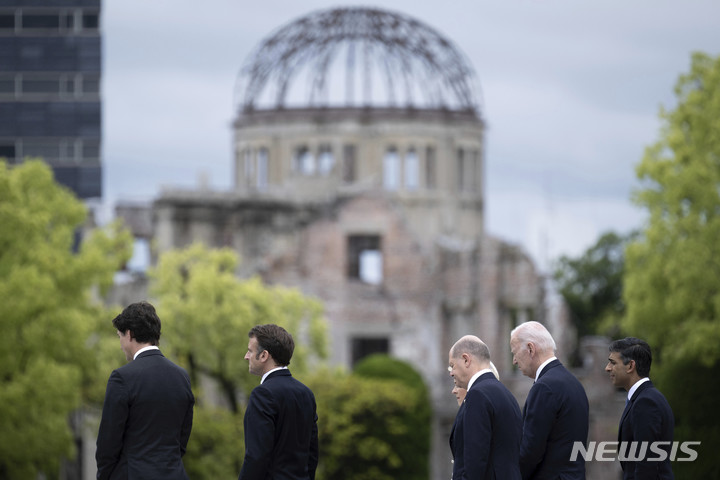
[466, 358]
[129, 332]
[630, 366]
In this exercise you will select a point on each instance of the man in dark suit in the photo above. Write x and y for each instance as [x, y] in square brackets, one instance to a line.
[556, 412]
[281, 437]
[148, 410]
[647, 416]
[486, 437]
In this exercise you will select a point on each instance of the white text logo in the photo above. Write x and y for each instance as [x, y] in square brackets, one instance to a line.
[635, 451]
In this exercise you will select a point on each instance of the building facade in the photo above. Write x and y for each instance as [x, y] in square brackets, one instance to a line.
[50, 73]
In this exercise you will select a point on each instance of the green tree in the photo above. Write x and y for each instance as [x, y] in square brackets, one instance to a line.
[362, 423]
[592, 284]
[49, 319]
[672, 284]
[413, 448]
[208, 312]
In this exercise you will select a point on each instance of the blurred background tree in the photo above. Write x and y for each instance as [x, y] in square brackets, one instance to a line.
[367, 425]
[592, 285]
[413, 447]
[672, 282]
[52, 322]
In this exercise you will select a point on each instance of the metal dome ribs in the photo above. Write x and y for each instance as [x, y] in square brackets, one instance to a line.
[387, 60]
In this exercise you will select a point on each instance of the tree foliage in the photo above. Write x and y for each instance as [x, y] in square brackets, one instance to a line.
[673, 280]
[592, 284]
[672, 285]
[362, 426]
[49, 319]
[414, 447]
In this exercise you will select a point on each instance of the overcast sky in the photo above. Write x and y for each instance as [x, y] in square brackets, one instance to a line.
[571, 91]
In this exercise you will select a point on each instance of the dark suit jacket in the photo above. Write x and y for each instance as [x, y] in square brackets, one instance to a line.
[458, 415]
[486, 439]
[556, 414]
[281, 437]
[647, 418]
[146, 421]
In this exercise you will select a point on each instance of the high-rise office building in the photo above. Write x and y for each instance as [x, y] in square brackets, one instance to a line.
[50, 70]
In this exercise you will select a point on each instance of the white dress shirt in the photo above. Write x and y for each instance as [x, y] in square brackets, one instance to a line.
[632, 390]
[270, 371]
[145, 349]
[543, 365]
[477, 375]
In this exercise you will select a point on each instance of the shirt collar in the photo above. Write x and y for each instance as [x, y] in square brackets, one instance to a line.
[145, 349]
[270, 371]
[477, 375]
[634, 388]
[543, 365]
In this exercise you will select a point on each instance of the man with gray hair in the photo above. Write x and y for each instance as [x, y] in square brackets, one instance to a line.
[486, 437]
[556, 411]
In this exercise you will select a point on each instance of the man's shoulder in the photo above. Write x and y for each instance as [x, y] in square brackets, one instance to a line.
[488, 387]
[648, 392]
[282, 380]
[152, 357]
[557, 375]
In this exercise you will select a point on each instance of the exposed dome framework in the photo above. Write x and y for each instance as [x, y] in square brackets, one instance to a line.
[357, 57]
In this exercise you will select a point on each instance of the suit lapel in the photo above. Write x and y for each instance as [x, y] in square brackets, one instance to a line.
[629, 404]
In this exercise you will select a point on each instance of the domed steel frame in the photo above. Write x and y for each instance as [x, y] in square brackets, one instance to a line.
[410, 60]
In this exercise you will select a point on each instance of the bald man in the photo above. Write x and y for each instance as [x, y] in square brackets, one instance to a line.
[488, 427]
[556, 411]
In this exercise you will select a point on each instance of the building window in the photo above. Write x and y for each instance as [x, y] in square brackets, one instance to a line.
[40, 85]
[262, 169]
[363, 347]
[53, 21]
[460, 169]
[91, 21]
[90, 150]
[348, 172]
[304, 161]
[7, 21]
[43, 84]
[412, 170]
[67, 20]
[90, 84]
[248, 164]
[365, 262]
[475, 170]
[430, 168]
[7, 151]
[7, 85]
[48, 150]
[41, 21]
[391, 169]
[326, 161]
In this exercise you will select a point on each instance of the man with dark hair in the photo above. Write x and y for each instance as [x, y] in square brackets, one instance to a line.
[647, 417]
[281, 437]
[485, 439]
[148, 410]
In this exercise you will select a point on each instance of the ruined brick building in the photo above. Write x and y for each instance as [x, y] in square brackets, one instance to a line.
[368, 194]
